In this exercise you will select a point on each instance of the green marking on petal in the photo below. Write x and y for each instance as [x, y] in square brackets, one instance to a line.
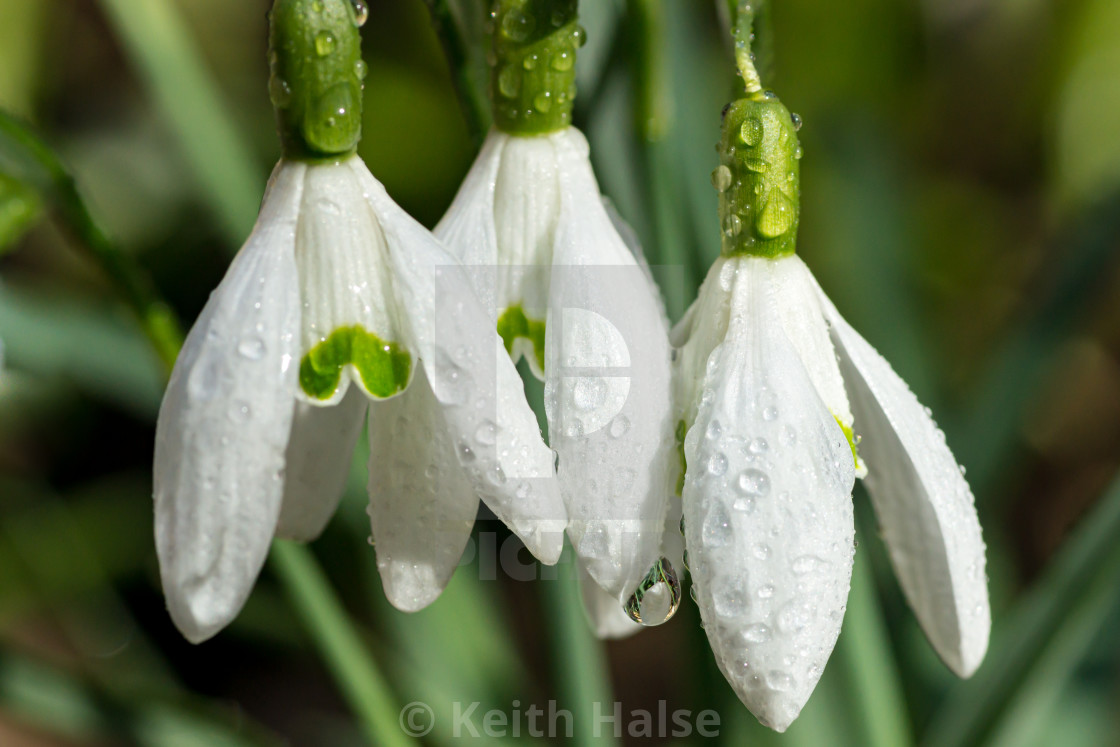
[513, 324]
[853, 442]
[682, 430]
[384, 366]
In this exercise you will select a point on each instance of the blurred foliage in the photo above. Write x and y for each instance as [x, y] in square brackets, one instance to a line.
[961, 204]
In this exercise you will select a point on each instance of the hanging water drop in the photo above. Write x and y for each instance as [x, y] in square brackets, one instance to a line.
[657, 597]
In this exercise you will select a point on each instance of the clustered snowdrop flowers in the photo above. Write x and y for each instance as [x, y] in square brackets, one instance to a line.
[569, 295]
[327, 312]
[341, 305]
[771, 454]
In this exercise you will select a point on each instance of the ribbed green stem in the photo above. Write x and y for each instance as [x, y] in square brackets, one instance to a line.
[24, 155]
[533, 64]
[356, 673]
[742, 16]
[759, 178]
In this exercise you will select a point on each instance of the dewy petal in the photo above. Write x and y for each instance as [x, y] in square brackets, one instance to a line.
[925, 507]
[803, 322]
[607, 387]
[319, 453]
[496, 435]
[345, 284]
[467, 228]
[224, 422]
[768, 510]
[422, 503]
[605, 615]
[501, 225]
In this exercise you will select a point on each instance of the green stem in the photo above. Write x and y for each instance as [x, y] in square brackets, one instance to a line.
[472, 96]
[741, 14]
[363, 685]
[584, 681]
[23, 151]
[652, 103]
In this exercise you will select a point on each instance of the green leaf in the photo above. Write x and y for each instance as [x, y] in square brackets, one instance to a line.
[20, 208]
[1037, 645]
[156, 38]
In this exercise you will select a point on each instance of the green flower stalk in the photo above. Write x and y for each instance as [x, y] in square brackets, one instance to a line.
[759, 178]
[327, 312]
[533, 64]
[316, 77]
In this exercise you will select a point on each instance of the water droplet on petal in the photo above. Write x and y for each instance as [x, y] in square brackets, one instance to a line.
[757, 633]
[717, 530]
[252, 348]
[619, 426]
[717, 464]
[754, 483]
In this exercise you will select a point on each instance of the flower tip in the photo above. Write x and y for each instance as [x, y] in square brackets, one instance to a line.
[774, 709]
[409, 586]
[967, 658]
[545, 542]
[199, 617]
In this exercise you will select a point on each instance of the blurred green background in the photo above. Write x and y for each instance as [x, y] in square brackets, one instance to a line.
[961, 204]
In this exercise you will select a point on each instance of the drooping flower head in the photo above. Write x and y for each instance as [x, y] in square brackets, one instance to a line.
[338, 304]
[773, 386]
[568, 293]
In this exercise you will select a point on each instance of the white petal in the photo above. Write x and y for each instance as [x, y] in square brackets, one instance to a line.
[604, 613]
[422, 503]
[501, 225]
[495, 431]
[223, 426]
[804, 324]
[526, 211]
[702, 328]
[344, 269]
[925, 507]
[630, 237]
[768, 511]
[607, 387]
[467, 228]
[319, 453]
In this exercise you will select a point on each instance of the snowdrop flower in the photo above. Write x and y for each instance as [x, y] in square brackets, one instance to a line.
[338, 304]
[568, 295]
[773, 385]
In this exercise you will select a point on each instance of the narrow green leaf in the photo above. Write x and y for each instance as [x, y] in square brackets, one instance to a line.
[20, 208]
[163, 52]
[1041, 635]
[28, 158]
[579, 659]
[345, 654]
